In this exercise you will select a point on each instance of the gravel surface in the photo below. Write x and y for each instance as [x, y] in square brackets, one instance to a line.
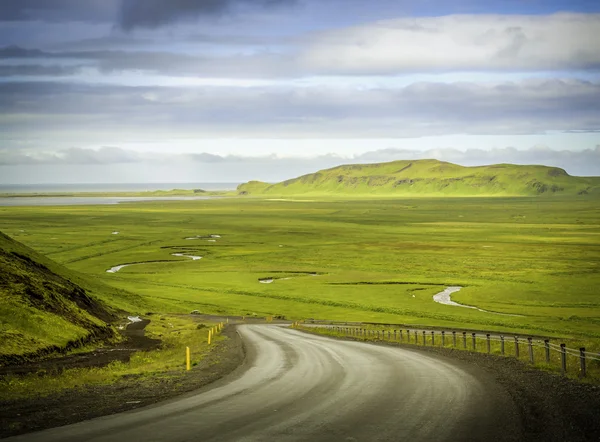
[551, 408]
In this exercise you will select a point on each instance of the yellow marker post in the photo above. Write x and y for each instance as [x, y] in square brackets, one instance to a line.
[227, 320]
[209, 336]
[187, 359]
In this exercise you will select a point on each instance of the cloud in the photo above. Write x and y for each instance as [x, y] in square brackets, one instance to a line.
[584, 162]
[420, 109]
[155, 13]
[459, 42]
[58, 10]
[272, 167]
[74, 156]
[38, 70]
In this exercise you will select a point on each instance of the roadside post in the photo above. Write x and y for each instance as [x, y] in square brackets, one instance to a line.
[563, 359]
[187, 359]
[582, 370]
[547, 348]
[517, 347]
[474, 337]
[502, 345]
[487, 336]
[530, 344]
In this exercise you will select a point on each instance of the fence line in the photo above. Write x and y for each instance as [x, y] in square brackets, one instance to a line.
[510, 344]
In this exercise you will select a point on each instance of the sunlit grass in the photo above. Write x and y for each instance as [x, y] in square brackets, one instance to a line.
[176, 334]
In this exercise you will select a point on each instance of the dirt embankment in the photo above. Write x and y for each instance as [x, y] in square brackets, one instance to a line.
[129, 392]
[135, 340]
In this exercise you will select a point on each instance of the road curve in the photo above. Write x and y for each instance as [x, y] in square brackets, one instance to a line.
[295, 386]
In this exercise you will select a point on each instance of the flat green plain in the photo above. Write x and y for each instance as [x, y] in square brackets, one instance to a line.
[534, 260]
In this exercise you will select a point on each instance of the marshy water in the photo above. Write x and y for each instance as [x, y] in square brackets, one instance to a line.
[90, 200]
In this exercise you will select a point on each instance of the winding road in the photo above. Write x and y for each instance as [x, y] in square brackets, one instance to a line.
[296, 386]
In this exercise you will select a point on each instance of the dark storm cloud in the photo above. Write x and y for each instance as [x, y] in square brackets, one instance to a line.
[154, 13]
[59, 10]
[38, 70]
[167, 63]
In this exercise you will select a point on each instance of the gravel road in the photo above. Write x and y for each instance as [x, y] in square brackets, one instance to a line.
[295, 386]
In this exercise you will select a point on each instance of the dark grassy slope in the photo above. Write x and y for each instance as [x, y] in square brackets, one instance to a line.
[432, 177]
[44, 307]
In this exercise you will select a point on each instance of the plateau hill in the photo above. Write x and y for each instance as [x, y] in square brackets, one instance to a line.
[430, 178]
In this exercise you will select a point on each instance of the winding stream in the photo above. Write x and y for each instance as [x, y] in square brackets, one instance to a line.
[444, 298]
[115, 269]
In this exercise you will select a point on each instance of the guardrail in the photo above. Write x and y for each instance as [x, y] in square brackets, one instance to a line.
[535, 349]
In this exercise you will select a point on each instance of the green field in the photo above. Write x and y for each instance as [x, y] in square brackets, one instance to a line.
[375, 259]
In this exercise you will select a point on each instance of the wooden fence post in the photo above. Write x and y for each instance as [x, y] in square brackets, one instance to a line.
[424, 338]
[473, 335]
[547, 348]
[465, 340]
[487, 336]
[517, 347]
[416, 337]
[582, 362]
[395, 339]
[530, 344]
[454, 338]
[563, 359]
[432, 338]
[443, 338]
[502, 345]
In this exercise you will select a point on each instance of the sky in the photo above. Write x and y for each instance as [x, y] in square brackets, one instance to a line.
[130, 91]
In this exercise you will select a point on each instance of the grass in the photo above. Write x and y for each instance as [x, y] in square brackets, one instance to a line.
[536, 257]
[430, 178]
[176, 333]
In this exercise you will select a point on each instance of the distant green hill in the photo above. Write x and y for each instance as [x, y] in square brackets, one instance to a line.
[45, 307]
[430, 178]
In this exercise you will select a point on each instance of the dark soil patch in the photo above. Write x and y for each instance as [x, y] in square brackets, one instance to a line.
[135, 341]
[68, 407]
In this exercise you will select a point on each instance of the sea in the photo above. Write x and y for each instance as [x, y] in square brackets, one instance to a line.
[100, 200]
[111, 187]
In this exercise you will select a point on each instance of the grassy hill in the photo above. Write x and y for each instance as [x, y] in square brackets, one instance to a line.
[45, 307]
[431, 178]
